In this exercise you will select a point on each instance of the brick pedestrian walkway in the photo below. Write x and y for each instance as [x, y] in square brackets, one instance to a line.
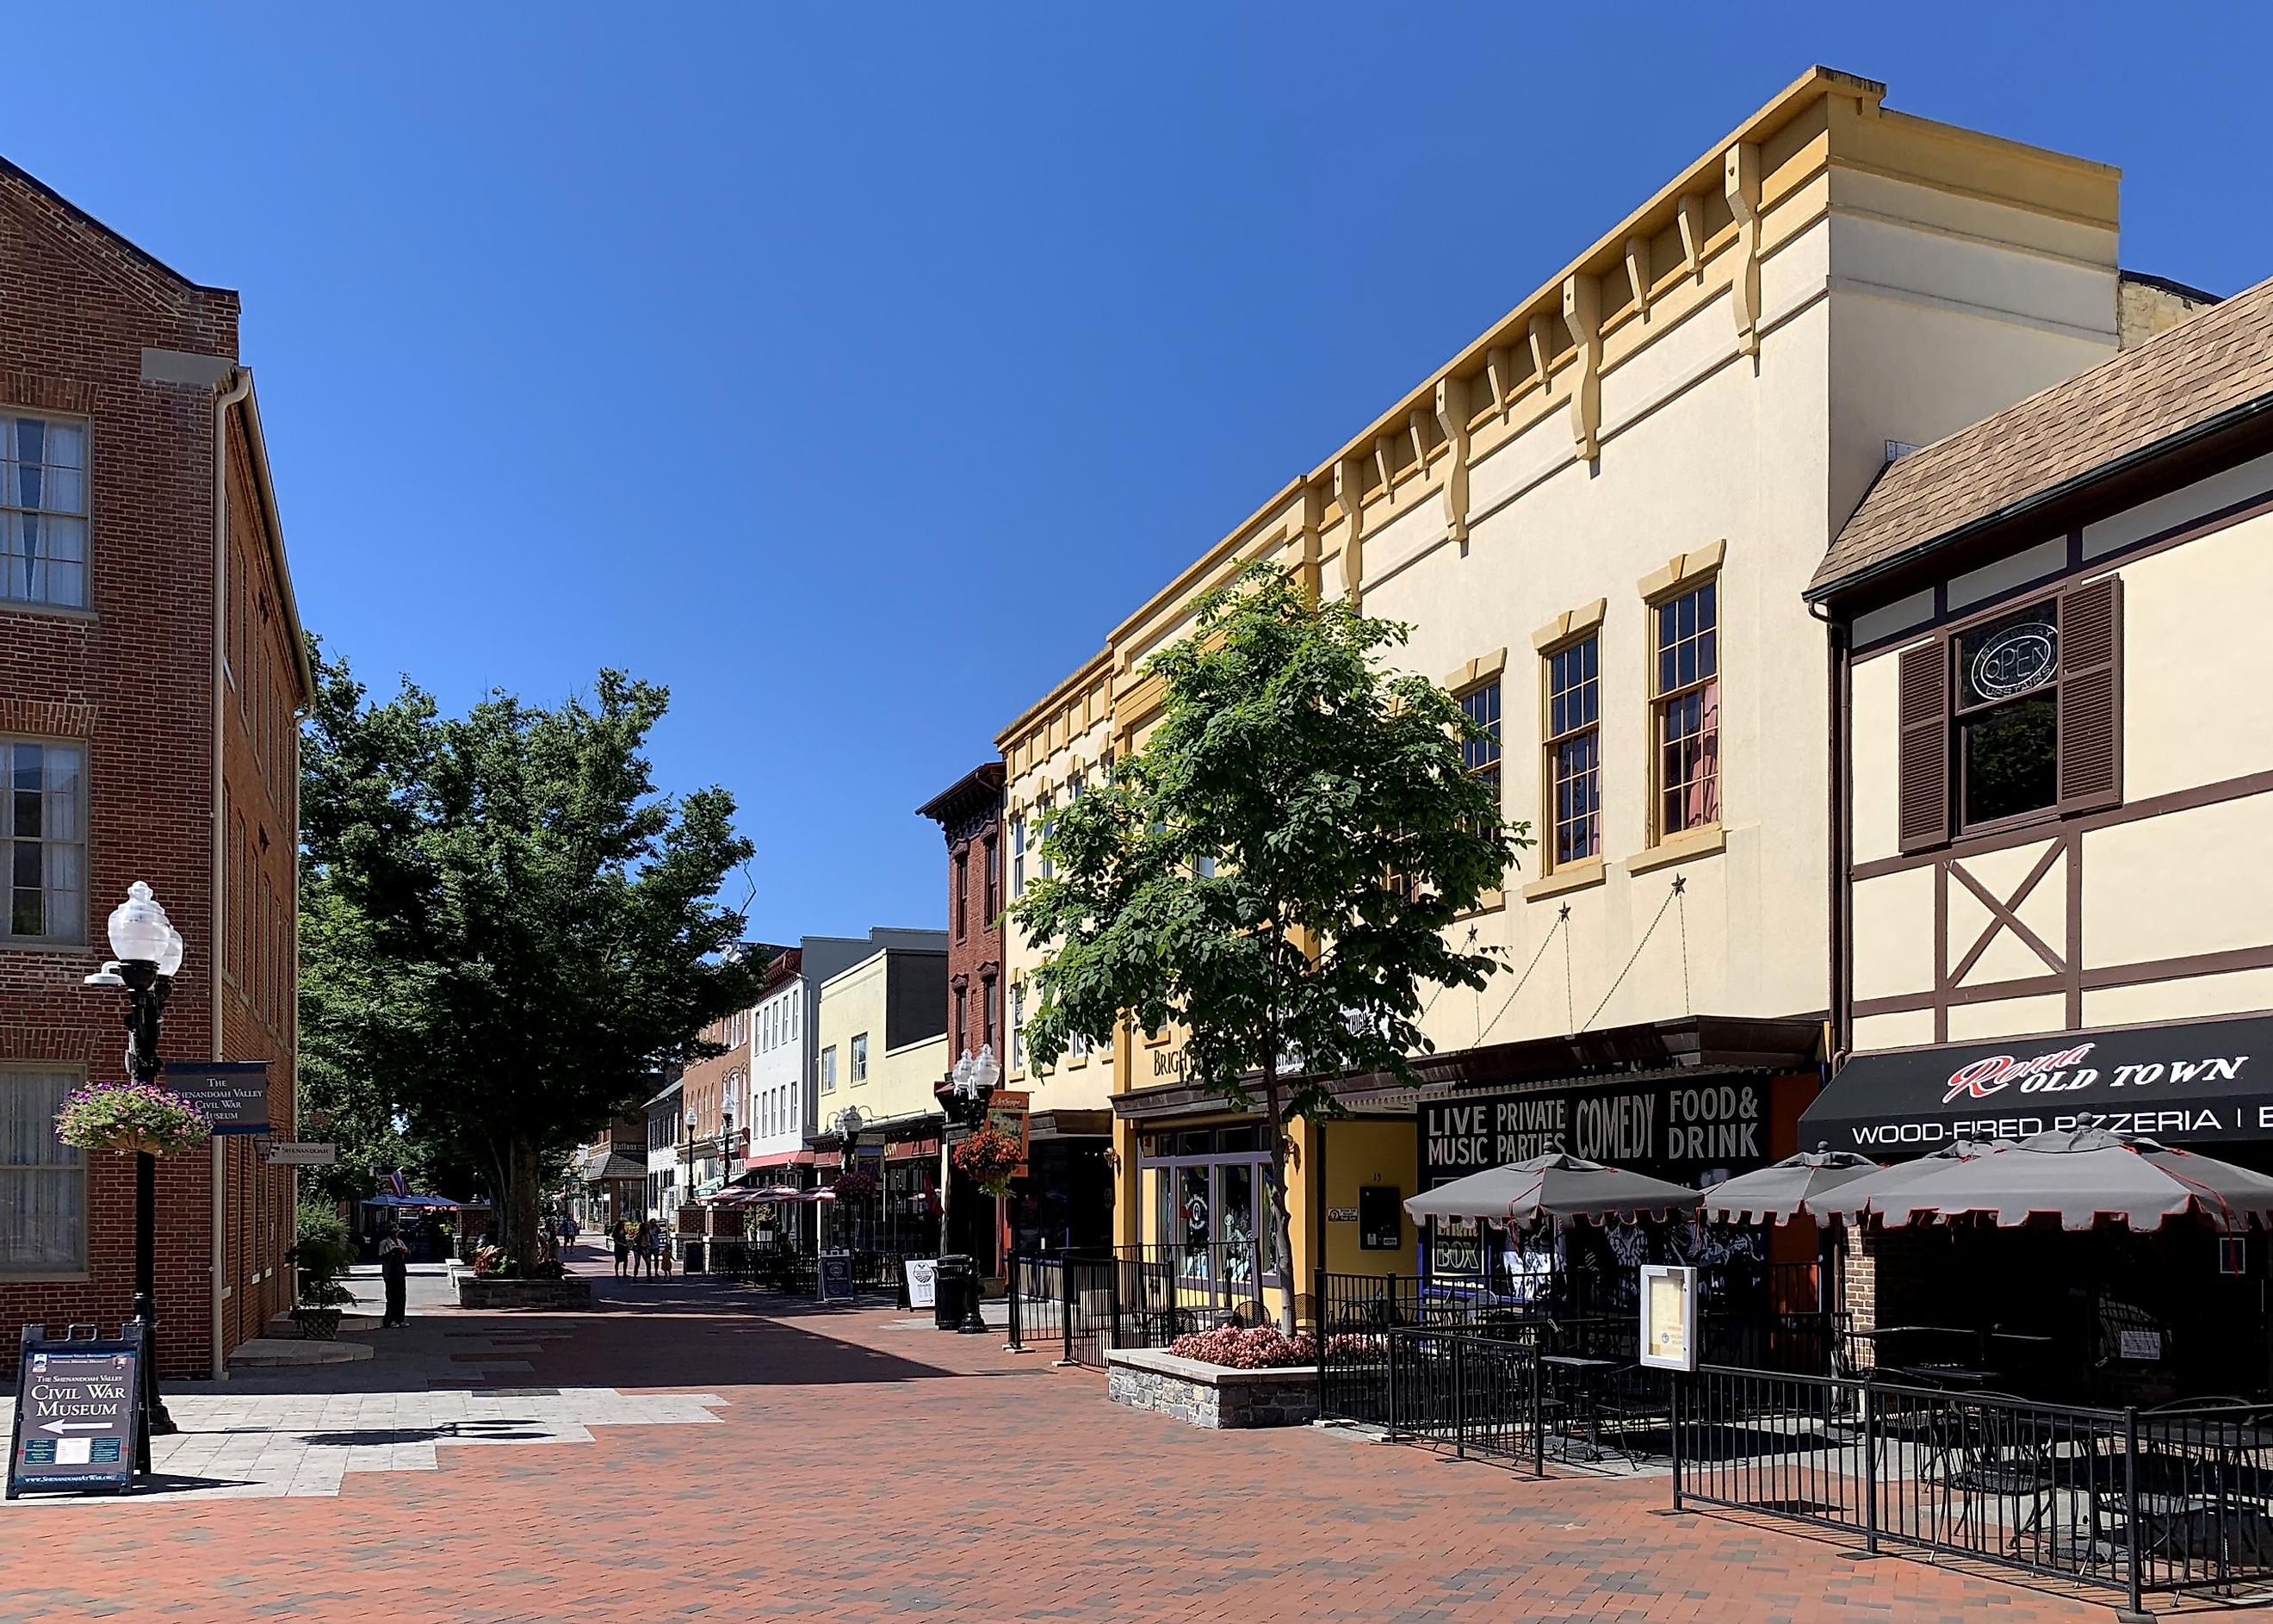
[866, 1471]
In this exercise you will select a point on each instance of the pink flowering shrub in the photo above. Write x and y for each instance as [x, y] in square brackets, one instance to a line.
[130, 1117]
[1262, 1347]
[1237, 1347]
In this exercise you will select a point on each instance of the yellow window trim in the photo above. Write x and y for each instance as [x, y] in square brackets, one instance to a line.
[1701, 842]
[1566, 877]
[1683, 571]
[1570, 626]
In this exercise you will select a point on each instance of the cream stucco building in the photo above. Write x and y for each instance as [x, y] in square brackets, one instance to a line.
[880, 1048]
[1598, 518]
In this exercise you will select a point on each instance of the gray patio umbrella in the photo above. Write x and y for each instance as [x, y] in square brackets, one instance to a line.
[2083, 1176]
[1558, 1186]
[1794, 1187]
[1850, 1201]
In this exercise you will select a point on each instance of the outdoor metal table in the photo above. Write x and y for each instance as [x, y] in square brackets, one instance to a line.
[1937, 1374]
[1587, 1373]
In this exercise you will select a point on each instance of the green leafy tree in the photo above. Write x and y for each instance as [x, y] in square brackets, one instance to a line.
[508, 932]
[1280, 870]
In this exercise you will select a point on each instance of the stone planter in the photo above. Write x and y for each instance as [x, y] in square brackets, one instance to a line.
[317, 1325]
[1212, 1395]
[571, 1293]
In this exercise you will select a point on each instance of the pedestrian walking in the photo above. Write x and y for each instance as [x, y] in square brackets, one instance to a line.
[647, 1249]
[394, 1270]
[663, 1250]
[623, 1238]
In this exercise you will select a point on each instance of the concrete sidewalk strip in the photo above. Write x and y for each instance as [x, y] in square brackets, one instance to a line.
[300, 1431]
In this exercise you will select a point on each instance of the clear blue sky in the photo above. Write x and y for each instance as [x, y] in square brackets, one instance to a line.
[853, 370]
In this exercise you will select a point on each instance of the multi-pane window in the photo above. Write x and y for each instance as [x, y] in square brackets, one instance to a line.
[993, 882]
[42, 841]
[1077, 1046]
[962, 1010]
[860, 1057]
[989, 993]
[962, 894]
[1686, 710]
[42, 1181]
[1046, 810]
[829, 1070]
[1480, 751]
[43, 511]
[1017, 857]
[1574, 750]
[1017, 1027]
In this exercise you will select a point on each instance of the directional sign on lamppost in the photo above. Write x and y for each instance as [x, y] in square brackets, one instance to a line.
[290, 1153]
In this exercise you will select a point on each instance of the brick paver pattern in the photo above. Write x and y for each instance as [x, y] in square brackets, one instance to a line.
[870, 1469]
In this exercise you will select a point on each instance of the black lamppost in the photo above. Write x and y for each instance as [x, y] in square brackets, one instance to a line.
[849, 1123]
[973, 1086]
[149, 952]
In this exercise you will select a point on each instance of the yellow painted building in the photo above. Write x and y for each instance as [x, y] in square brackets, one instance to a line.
[882, 1050]
[1598, 518]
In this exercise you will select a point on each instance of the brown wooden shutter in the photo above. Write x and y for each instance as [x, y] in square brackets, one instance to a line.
[2091, 695]
[1923, 713]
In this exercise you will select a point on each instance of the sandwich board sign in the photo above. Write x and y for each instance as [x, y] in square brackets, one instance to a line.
[79, 1412]
[835, 1275]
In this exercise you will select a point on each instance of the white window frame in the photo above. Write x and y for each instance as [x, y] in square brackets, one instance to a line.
[828, 1069]
[74, 1076]
[85, 516]
[75, 937]
[860, 1056]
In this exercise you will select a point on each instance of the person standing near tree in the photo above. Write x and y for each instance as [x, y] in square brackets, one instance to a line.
[394, 1270]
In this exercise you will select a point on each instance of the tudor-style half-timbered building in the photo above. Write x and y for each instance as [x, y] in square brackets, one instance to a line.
[2053, 794]
[2053, 766]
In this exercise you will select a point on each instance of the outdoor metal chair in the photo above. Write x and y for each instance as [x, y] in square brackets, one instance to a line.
[1990, 1454]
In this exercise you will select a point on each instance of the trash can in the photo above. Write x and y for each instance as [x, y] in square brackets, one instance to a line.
[691, 1258]
[955, 1280]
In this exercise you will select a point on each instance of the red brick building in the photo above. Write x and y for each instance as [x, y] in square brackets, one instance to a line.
[152, 670]
[969, 813]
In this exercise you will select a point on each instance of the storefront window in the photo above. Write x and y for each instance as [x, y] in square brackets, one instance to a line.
[1210, 1195]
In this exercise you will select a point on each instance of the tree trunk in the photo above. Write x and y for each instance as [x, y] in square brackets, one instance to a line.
[522, 1202]
[1277, 1253]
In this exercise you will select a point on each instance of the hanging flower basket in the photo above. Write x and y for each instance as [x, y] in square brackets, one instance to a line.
[129, 1117]
[855, 1184]
[990, 1157]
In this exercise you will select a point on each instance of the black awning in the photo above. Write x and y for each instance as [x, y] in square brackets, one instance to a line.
[2198, 1081]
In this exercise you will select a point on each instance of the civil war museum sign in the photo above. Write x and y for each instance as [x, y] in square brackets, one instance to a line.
[1686, 1129]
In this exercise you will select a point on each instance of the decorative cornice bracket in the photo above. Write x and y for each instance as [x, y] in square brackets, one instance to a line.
[1539, 353]
[1452, 418]
[1500, 374]
[1637, 273]
[1690, 212]
[1349, 490]
[1582, 313]
[1741, 174]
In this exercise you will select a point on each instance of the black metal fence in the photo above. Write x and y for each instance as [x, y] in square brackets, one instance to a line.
[2179, 1499]
[1087, 1301]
